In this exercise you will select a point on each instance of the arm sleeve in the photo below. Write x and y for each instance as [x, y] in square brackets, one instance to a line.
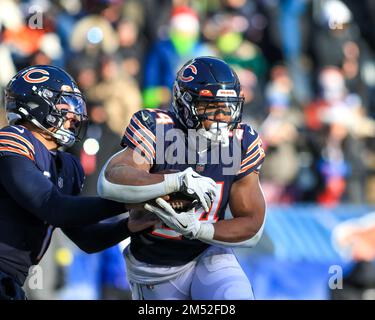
[38, 195]
[249, 243]
[99, 236]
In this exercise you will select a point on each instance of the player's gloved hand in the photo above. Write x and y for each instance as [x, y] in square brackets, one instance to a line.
[186, 223]
[192, 184]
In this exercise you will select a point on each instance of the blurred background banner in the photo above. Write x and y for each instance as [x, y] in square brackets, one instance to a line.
[307, 70]
[297, 257]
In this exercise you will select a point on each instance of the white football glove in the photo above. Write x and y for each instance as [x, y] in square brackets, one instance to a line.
[186, 223]
[193, 184]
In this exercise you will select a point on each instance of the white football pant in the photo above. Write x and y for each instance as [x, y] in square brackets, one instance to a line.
[217, 275]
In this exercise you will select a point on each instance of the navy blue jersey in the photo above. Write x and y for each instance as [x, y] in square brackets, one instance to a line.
[157, 136]
[24, 238]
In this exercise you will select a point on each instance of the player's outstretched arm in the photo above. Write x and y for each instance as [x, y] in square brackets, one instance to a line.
[244, 230]
[100, 236]
[126, 177]
[27, 185]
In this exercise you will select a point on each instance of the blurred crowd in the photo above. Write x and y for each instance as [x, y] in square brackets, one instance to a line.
[307, 70]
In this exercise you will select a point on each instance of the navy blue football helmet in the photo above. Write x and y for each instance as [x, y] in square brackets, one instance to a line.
[206, 81]
[33, 95]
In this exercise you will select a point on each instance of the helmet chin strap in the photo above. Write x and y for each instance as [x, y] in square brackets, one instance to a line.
[63, 137]
[217, 133]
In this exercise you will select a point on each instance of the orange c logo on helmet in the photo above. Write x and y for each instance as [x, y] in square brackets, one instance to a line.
[189, 78]
[33, 79]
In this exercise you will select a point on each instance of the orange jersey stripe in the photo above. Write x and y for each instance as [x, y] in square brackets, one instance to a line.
[253, 144]
[244, 161]
[148, 132]
[152, 149]
[15, 144]
[17, 136]
[244, 169]
[138, 145]
[14, 150]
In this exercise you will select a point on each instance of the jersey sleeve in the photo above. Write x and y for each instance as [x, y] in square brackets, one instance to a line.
[140, 135]
[253, 154]
[35, 193]
[14, 141]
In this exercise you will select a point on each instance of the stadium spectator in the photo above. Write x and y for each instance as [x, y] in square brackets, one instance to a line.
[167, 55]
[119, 91]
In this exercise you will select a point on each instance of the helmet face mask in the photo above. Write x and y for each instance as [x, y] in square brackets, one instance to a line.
[210, 110]
[204, 88]
[47, 97]
[69, 108]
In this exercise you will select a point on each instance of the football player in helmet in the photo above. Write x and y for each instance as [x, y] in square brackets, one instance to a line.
[39, 182]
[210, 102]
[46, 97]
[189, 255]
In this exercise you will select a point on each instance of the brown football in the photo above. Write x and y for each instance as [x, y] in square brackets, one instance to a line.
[181, 202]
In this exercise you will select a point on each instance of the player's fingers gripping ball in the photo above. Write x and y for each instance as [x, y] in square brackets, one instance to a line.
[200, 187]
[185, 222]
[192, 186]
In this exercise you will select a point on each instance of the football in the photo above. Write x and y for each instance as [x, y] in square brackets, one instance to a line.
[181, 202]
